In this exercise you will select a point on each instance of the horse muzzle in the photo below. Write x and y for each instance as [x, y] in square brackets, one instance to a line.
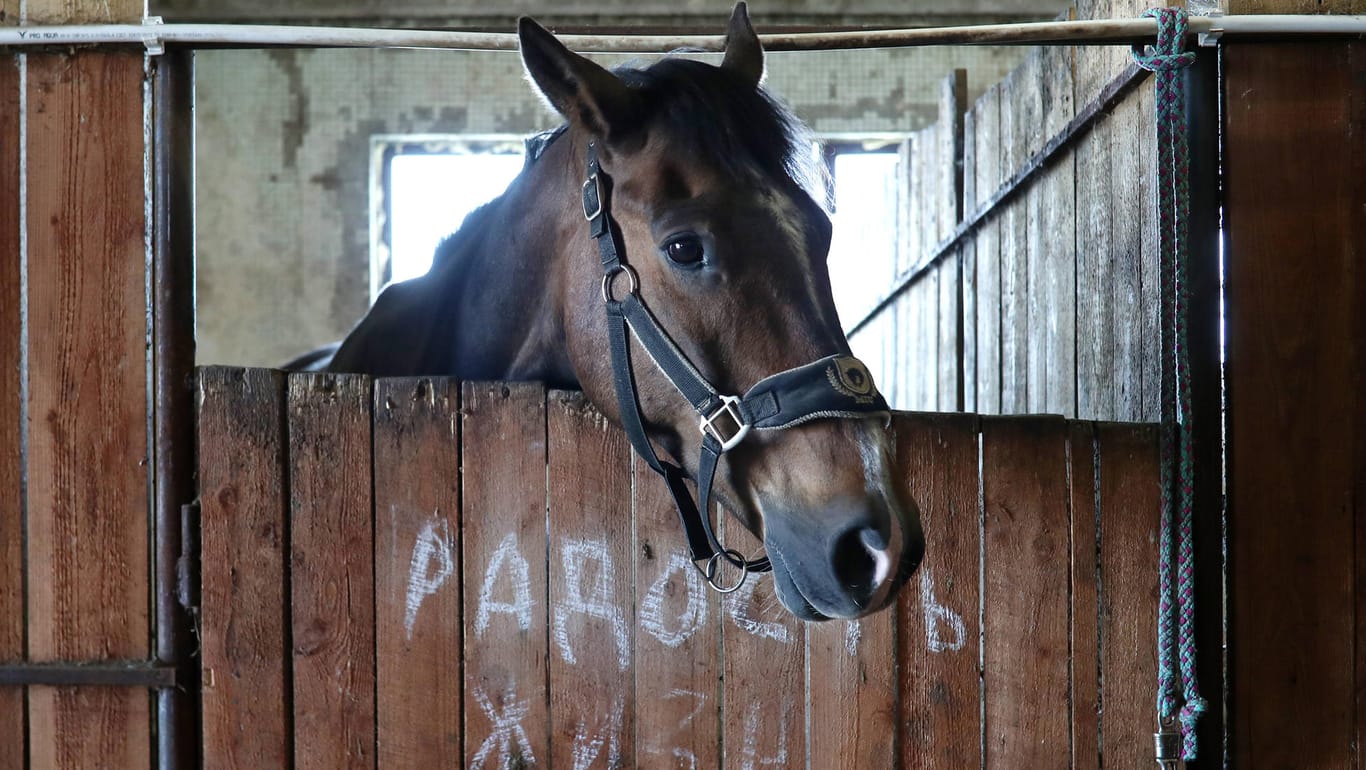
[844, 561]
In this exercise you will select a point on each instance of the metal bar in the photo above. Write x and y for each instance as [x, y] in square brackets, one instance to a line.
[1106, 31]
[1113, 92]
[172, 212]
[114, 673]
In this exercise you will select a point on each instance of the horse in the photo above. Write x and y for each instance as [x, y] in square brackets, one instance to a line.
[709, 249]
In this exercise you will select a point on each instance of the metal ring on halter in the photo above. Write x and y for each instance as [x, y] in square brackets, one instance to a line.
[733, 556]
[611, 274]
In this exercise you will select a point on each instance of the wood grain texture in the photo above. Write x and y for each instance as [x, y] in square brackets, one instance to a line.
[763, 661]
[85, 11]
[1129, 209]
[332, 571]
[244, 598]
[503, 542]
[1014, 301]
[592, 703]
[87, 414]
[1025, 592]
[953, 98]
[1085, 661]
[1058, 245]
[939, 609]
[967, 278]
[1295, 197]
[1035, 311]
[1130, 514]
[678, 621]
[418, 621]
[1094, 312]
[12, 600]
[949, 329]
[987, 251]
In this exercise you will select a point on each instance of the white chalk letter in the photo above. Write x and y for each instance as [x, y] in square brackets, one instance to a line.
[432, 564]
[520, 606]
[594, 599]
[936, 614]
[693, 617]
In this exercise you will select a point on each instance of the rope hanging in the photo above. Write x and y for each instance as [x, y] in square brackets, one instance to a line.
[1176, 601]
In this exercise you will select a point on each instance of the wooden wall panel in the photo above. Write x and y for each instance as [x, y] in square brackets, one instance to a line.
[1296, 224]
[938, 611]
[1025, 592]
[1095, 348]
[417, 571]
[677, 688]
[1085, 663]
[87, 414]
[12, 618]
[244, 603]
[1130, 517]
[1129, 209]
[592, 674]
[503, 545]
[85, 11]
[332, 571]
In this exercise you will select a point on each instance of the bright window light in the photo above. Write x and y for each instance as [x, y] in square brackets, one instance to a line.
[430, 195]
[864, 242]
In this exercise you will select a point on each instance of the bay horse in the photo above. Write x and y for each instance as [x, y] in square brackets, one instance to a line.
[700, 181]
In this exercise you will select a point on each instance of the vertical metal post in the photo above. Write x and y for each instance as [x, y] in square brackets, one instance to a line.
[1204, 121]
[173, 340]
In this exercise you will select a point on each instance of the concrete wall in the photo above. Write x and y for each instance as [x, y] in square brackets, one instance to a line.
[284, 161]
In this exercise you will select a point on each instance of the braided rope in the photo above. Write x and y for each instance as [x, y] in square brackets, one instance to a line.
[1173, 206]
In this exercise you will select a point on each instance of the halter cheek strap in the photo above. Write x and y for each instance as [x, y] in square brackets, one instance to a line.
[836, 386]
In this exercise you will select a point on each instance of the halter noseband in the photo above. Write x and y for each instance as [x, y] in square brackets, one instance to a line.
[836, 386]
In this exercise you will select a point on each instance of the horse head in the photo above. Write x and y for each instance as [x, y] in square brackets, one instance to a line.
[726, 247]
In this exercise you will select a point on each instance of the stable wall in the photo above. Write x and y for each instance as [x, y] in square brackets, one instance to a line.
[284, 162]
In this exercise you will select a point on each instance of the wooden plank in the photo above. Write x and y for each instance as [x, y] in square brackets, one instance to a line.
[244, 601]
[503, 546]
[1085, 611]
[1094, 319]
[1059, 231]
[1145, 146]
[87, 411]
[84, 11]
[1296, 456]
[1025, 592]
[12, 609]
[332, 571]
[1094, 62]
[1035, 311]
[967, 277]
[1014, 305]
[925, 363]
[677, 689]
[852, 691]
[908, 256]
[939, 610]
[948, 329]
[592, 703]
[1128, 210]
[987, 251]
[763, 661]
[953, 103]
[1129, 497]
[418, 619]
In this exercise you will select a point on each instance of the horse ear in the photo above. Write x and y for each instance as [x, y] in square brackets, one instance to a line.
[744, 53]
[583, 92]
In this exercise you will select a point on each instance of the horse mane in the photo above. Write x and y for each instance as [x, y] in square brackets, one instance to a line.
[717, 114]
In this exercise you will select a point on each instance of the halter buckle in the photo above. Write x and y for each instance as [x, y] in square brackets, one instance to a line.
[729, 408]
[594, 199]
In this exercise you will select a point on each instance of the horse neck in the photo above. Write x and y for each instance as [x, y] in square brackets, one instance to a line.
[510, 318]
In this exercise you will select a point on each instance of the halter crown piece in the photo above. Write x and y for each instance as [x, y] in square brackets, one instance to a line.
[836, 386]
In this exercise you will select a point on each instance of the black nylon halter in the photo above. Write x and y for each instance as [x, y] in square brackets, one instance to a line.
[836, 386]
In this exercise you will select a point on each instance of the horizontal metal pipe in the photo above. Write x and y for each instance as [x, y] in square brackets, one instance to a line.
[113, 673]
[1107, 32]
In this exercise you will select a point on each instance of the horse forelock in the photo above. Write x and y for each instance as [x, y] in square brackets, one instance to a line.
[715, 114]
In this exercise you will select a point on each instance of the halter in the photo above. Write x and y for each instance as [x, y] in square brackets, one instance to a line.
[836, 386]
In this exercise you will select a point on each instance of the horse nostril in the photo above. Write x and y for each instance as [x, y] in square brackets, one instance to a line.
[860, 559]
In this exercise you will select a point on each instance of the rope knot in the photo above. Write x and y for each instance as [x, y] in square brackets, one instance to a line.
[1171, 38]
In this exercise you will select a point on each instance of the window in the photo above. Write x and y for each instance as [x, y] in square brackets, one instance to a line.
[427, 185]
[425, 188]
[865, 180]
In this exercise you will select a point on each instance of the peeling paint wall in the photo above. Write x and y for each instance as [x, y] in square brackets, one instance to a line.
[283, 167]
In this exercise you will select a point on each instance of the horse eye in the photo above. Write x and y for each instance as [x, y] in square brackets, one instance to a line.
[685, 251]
